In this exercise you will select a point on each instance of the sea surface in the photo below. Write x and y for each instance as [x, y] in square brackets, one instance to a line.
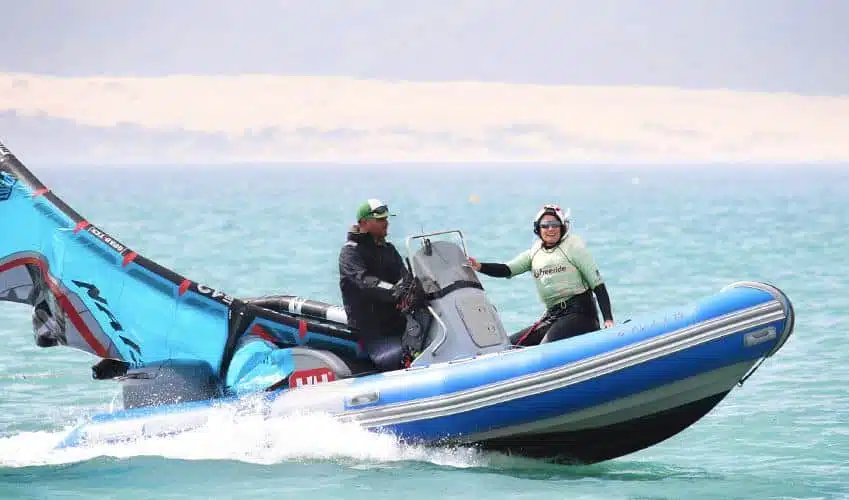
[662, 236]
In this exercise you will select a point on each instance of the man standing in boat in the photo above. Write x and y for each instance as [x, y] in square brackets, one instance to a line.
[377, 289]
[566, 278]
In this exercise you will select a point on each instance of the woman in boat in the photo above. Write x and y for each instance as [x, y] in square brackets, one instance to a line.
[566, 278]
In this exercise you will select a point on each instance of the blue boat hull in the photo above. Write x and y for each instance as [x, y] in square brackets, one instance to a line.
[585, 399]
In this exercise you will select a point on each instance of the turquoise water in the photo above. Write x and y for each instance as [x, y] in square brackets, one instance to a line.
[662, 236]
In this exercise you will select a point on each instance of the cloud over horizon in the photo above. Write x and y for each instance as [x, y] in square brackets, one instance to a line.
[289, 118]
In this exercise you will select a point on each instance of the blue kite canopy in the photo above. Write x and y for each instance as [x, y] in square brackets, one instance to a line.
[92, 292]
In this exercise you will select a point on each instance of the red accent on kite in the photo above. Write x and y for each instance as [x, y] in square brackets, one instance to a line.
[81, 225]
[129, 257]
[64, 303]
[262, 333]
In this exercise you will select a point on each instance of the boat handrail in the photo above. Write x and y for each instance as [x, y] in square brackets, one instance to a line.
[444, 328]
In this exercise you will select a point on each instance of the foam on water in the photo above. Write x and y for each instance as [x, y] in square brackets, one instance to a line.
[231, 435]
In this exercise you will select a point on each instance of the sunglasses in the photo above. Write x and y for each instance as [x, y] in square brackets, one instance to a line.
[380, 210]
[549, 224]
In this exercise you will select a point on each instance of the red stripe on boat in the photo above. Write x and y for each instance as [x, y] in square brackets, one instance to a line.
[184, 286]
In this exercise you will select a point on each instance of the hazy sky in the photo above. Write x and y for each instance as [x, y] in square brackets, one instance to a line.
[554, 80]
[773, 45]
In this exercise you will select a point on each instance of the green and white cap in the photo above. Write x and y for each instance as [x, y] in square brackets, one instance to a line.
[373, 209]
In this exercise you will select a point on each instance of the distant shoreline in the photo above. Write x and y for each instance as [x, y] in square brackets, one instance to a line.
[42, 165]
[185, 119]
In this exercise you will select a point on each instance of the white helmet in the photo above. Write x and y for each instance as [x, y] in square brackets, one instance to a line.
[555, 210]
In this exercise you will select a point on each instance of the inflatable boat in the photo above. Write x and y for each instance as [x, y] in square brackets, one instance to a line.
[170, 343]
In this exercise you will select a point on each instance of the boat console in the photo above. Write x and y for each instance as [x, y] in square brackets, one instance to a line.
[464, 322]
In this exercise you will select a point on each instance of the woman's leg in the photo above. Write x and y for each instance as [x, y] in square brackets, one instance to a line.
[532, 335]
[570, 325]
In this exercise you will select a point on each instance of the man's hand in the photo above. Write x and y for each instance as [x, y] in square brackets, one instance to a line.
[608, 323]
[409, 294]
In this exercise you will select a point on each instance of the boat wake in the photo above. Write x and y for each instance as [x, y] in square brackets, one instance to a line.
[30, 376]
[231, 435]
